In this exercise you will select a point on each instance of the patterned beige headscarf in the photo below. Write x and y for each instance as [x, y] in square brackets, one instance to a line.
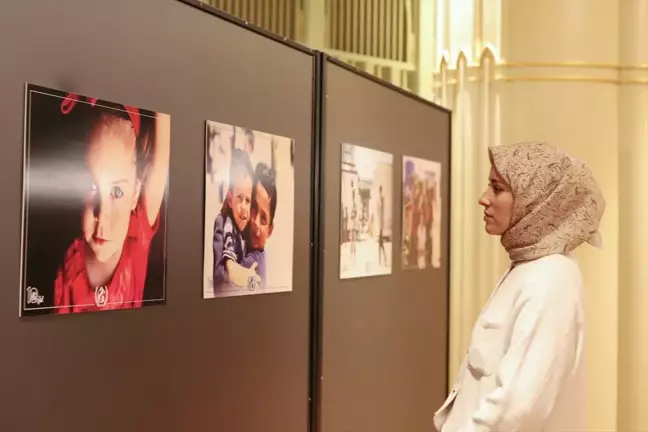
[557, 203]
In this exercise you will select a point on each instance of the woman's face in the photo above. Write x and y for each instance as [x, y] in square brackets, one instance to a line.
[497, 201]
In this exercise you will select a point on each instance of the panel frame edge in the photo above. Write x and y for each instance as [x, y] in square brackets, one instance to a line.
[317, 235]
[384, 83]
[247, 25]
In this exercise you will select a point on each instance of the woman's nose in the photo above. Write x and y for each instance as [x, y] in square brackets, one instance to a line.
[484, 201]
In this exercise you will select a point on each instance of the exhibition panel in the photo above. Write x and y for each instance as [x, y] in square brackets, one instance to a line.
[385, 264]
[285, 215]
[116, 177]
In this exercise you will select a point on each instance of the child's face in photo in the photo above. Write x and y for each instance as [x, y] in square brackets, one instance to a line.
[261, 227]
[111, 162]
[240, 199]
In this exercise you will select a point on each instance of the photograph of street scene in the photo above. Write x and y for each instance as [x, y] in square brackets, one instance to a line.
[365, 212]
[421, 213]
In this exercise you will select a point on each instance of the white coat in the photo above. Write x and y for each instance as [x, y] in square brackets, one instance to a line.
[524, 369]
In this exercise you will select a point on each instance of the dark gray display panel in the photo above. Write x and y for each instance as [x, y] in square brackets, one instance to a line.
[384, 345]
[232, 364]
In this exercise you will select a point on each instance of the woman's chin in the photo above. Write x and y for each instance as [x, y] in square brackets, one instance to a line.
[492, 230]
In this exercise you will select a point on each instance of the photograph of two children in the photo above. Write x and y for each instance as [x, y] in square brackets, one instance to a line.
[95, 186]
[249, 212]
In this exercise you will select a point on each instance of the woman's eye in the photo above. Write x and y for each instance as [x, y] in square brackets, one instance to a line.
[117, 192]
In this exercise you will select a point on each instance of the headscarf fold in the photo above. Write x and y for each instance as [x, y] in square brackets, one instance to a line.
[557, 203]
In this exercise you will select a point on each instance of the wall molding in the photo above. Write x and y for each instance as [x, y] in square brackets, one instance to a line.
[574, 71]
[573, 64]
[549, 78]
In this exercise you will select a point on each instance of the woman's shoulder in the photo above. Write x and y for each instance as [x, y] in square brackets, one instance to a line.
[558, 274]
[559, 264]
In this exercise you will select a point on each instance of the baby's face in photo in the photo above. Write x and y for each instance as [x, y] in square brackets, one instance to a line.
[113, 194]
[240, 199]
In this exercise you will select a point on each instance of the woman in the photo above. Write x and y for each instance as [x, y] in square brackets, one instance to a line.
[524, 368]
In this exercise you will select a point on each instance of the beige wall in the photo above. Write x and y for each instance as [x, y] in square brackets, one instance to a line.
[574, 73]
[568, 106]
[569, 125]
[632, 409]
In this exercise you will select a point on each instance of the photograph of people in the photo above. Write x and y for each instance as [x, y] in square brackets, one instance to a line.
[95, 182]
[249, 212]
[524, 368]
[365, 212]
[421, 213]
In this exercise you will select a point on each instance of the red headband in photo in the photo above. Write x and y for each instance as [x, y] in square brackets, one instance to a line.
[71, 100]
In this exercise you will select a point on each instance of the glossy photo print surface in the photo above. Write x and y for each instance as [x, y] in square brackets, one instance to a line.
[94, 204]
[421, 213]
[365, 212]
[249, 212]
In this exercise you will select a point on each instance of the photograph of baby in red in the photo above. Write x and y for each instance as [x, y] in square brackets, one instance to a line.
[94, 184]
[249, 212]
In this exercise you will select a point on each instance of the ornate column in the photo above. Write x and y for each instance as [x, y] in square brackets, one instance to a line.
[313, 24]
[469, 90]
[425, 54]
[466, 84]
[633, 216]
[561, 84]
